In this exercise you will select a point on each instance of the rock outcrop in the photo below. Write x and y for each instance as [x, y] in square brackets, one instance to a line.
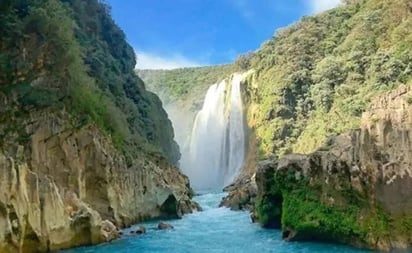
[356, 189]
[68, 186]
[241, 194]
[141, 230]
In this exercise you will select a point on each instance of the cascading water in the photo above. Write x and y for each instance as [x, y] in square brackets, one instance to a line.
[236, 132]
[215, 153]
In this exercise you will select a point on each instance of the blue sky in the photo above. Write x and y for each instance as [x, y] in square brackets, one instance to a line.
[181, 33]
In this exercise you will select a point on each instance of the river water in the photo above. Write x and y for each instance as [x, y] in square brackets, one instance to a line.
[214, 230]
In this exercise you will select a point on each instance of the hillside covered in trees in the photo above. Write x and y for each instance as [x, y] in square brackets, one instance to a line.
[70, 54]
[315, 78]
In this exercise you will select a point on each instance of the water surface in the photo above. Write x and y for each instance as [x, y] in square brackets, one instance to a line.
[216, 230]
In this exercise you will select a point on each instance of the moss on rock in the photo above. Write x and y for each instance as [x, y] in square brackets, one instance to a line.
[355, 190]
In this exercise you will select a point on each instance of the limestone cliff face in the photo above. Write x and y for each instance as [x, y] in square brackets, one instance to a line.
[68, 186]
[84, 147]
[386, 148]
[356, 189]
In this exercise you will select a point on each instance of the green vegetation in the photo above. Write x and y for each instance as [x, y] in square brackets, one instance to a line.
[269, 210]
[314, 78]
[317, 76]
[186, 83]
[311, 218]
[70, 54]
[319, 211]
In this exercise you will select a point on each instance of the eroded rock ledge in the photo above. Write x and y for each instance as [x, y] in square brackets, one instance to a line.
[356, 189]
[68, 187]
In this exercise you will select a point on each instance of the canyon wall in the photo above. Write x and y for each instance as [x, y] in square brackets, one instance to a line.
[356, 189]
[69, 186]
[85, 149]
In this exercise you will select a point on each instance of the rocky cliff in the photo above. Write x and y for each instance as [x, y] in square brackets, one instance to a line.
[68, 186]
[85, 149]
[356, 189]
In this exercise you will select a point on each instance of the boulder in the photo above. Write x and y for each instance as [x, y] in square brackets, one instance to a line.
[141, 230]
[164, 226]
[241, 194]
[109, 231]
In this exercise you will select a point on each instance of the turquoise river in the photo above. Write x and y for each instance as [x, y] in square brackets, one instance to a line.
[215, 230]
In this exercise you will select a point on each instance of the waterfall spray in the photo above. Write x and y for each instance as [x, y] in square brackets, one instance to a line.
[215, 153]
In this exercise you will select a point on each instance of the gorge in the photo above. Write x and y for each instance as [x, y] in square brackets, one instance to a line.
[309, 136]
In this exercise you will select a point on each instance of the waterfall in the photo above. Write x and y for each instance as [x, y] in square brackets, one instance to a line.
[215, 152]
[236, 132]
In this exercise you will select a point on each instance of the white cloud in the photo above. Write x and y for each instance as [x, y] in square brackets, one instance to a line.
[153, 61]
[317, 6]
